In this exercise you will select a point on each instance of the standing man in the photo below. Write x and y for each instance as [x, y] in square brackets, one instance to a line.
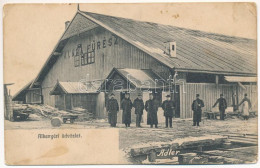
[196, 107]
[168, 107]
[151, 106]
[222, 105]
[139, 108]
[126, 106]
[112, 109]
[246, 105]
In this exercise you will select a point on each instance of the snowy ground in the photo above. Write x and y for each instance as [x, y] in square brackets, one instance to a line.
[132, 136]
[183, 128]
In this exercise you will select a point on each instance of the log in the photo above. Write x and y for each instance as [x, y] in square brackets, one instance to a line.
[56, 122]
[199, 160]
[147, 150]
[216, 159]
[186, 158]
[186, 144]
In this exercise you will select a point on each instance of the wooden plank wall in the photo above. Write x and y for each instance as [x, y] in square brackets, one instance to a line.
[8, 110]
[251, 91]
[33, 96]
[118, 55]
[100, 105]
[209, 94]
[86, 101]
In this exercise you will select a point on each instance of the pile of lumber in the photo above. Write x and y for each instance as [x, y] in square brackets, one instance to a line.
[22, 108]
[48, 111]
[21, 111]
[84, 114]
[186, 143]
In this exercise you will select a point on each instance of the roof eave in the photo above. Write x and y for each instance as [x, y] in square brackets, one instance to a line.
[51, 55]
[216, 72]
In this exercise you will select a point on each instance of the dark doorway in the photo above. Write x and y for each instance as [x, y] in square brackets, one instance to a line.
[68, 102]
[176, 98]
[158, 96]
[122, 96]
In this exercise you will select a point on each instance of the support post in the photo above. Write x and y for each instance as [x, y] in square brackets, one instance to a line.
[217, 79]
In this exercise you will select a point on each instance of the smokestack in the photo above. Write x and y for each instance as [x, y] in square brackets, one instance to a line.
[67, 23]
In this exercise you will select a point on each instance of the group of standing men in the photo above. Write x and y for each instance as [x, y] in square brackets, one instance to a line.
[198, 104]
[151, 106]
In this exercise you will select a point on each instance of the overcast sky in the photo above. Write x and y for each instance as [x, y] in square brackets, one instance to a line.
[32, 31]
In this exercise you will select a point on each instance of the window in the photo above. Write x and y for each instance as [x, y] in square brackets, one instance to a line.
[91, 57]
[79, 54]
[173, 47]
[84, 59]
[204, 78]
[88, 58]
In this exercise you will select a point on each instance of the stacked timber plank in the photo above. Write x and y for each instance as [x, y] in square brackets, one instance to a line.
[21, 111]
[48, 111]
[178, 144]
[84, 114]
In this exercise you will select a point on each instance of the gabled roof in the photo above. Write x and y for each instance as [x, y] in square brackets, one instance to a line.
[73, 88]
[197, 51]
[137, 78]
[20, 95]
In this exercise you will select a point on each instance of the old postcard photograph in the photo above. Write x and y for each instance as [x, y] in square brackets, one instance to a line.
[130, 83]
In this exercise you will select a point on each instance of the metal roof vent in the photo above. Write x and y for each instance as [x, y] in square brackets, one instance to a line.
[170, 48]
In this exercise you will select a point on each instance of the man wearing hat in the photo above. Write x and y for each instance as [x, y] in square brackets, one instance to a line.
[168, 107]
[196, 107]
[151, 106]
[126, 106]
[139, 108]
[112, 109]
[222, 105]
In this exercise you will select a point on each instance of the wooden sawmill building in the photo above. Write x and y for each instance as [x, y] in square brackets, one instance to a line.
[96, 47]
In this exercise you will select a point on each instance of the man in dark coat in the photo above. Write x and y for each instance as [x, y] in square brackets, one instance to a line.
[168, 107]
[151, 106]
[126, 106]
[222, 105]
[196, 107]
[112, 109]
[139, 108]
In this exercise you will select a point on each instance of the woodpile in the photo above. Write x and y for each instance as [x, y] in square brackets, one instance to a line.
[53, 114]
[84, 114]
[21, 112]
[48, 111]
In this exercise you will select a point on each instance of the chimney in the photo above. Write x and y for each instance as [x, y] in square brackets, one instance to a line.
[67, 23]
[170, 48]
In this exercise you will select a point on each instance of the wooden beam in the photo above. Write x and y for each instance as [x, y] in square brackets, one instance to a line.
[217, 79]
